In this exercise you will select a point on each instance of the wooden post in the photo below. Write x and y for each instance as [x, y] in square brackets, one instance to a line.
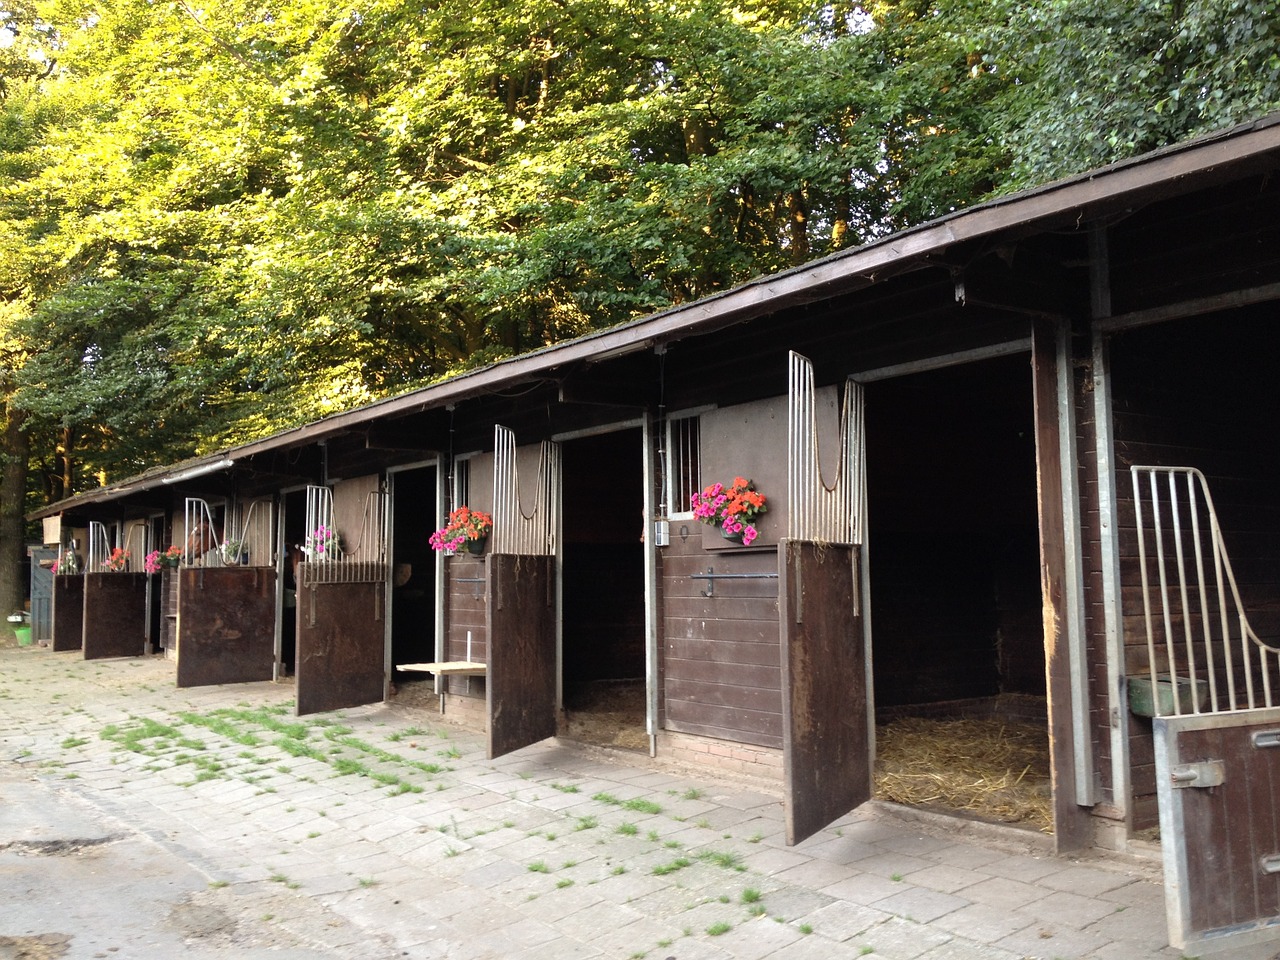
[1071, 821]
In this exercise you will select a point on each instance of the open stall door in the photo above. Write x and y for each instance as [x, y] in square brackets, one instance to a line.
[341, 644]
[521, 695]
[522, 651]
[68, 611]
[1218, 777]
[827, 734]
[226, 625]
[115, 615]
[826, 731]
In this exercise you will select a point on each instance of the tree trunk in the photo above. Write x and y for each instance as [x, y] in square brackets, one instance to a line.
[13, 488]
[798, 221]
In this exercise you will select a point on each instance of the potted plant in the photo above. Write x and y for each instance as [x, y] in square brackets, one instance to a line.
[733, 508]
[465, 527]
[118, 562]
[234, 552]
[67, 563]
[322, 543]
[155, 561]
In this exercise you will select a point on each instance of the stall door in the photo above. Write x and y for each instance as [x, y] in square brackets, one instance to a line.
[1218, 781]
[827, 746]
[826, 733]
[522, 651]
[68, 612]
[226, 625]
[341, 638]
[521, 598]
[115, 615]
[42, 593]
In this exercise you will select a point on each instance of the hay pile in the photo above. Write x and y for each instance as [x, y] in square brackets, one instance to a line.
[996, 769]
[607, 713]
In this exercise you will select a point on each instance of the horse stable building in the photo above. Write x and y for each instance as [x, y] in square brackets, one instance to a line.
[1017, 462]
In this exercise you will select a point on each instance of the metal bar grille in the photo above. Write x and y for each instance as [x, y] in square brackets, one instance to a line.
[820, 511]
[254, 535]
[514, 529]
[99, 547]
[137, 540]
[1202, 654]
[202, 536]
[364, 560]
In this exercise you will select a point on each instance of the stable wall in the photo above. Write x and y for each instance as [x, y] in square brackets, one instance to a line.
[1199, 393]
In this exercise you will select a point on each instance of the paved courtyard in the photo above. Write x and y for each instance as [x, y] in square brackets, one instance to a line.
[142, 821]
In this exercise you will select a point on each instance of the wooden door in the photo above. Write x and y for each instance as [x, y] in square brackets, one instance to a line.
[226, 625]
[115, 615]
[826, 730]
[521, 676]
[68, 611]
[1218, 782]
[341, 644]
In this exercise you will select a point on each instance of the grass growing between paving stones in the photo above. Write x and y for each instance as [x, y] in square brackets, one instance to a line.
[267, 727]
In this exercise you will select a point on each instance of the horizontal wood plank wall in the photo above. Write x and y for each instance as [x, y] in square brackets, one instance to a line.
[1198, 393]
[722, 674]
[465, 610]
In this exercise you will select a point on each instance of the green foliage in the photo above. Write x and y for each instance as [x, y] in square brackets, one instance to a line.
[218, 222]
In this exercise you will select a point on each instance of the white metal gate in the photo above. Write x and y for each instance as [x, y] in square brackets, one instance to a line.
[1211, 687]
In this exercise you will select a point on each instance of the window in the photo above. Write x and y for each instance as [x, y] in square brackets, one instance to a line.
[683, 470]
[461, 487]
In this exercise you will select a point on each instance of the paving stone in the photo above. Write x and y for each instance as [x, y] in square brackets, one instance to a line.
[921, 905]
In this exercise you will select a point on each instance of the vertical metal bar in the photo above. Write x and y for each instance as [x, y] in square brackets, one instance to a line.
[1206, 621]
[1157, 527]
[651, 612]
[443, 493]
[1073, 587]
[1112, 618]
[1175, 516]
[1146, 584]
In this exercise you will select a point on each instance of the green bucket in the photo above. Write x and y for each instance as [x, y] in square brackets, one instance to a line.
[23, 633]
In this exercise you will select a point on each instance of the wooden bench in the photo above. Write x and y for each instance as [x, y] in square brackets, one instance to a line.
[446, 668]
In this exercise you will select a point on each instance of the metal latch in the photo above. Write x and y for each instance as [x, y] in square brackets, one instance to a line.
[1266, 738]
[1206, 773]
[1270, 864]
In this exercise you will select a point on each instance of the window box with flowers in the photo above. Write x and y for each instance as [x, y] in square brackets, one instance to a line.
[733, 508]
[157, 560]
[465, 528]
[68, 563]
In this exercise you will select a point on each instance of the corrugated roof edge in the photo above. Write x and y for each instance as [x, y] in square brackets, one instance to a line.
[1111, 183]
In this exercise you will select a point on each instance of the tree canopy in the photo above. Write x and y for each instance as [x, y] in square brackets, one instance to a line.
[217, 221]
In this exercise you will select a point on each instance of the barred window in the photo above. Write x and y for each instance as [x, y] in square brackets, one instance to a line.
[683, 469]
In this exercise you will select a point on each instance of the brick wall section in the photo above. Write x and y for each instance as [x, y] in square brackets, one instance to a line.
[738, 759]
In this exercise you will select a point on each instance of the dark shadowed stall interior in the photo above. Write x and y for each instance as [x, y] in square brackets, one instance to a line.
[295, 535]
[957, 632]
[413, 570]
[603, 588]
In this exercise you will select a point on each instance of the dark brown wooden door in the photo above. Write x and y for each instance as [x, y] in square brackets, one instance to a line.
[115, 615]
[68, 611]
[341, 654]
[826, 733]
[1218, 781]
[521, 679]
[226, 625]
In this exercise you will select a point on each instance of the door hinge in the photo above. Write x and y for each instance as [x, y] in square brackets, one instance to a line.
[1206, 773]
